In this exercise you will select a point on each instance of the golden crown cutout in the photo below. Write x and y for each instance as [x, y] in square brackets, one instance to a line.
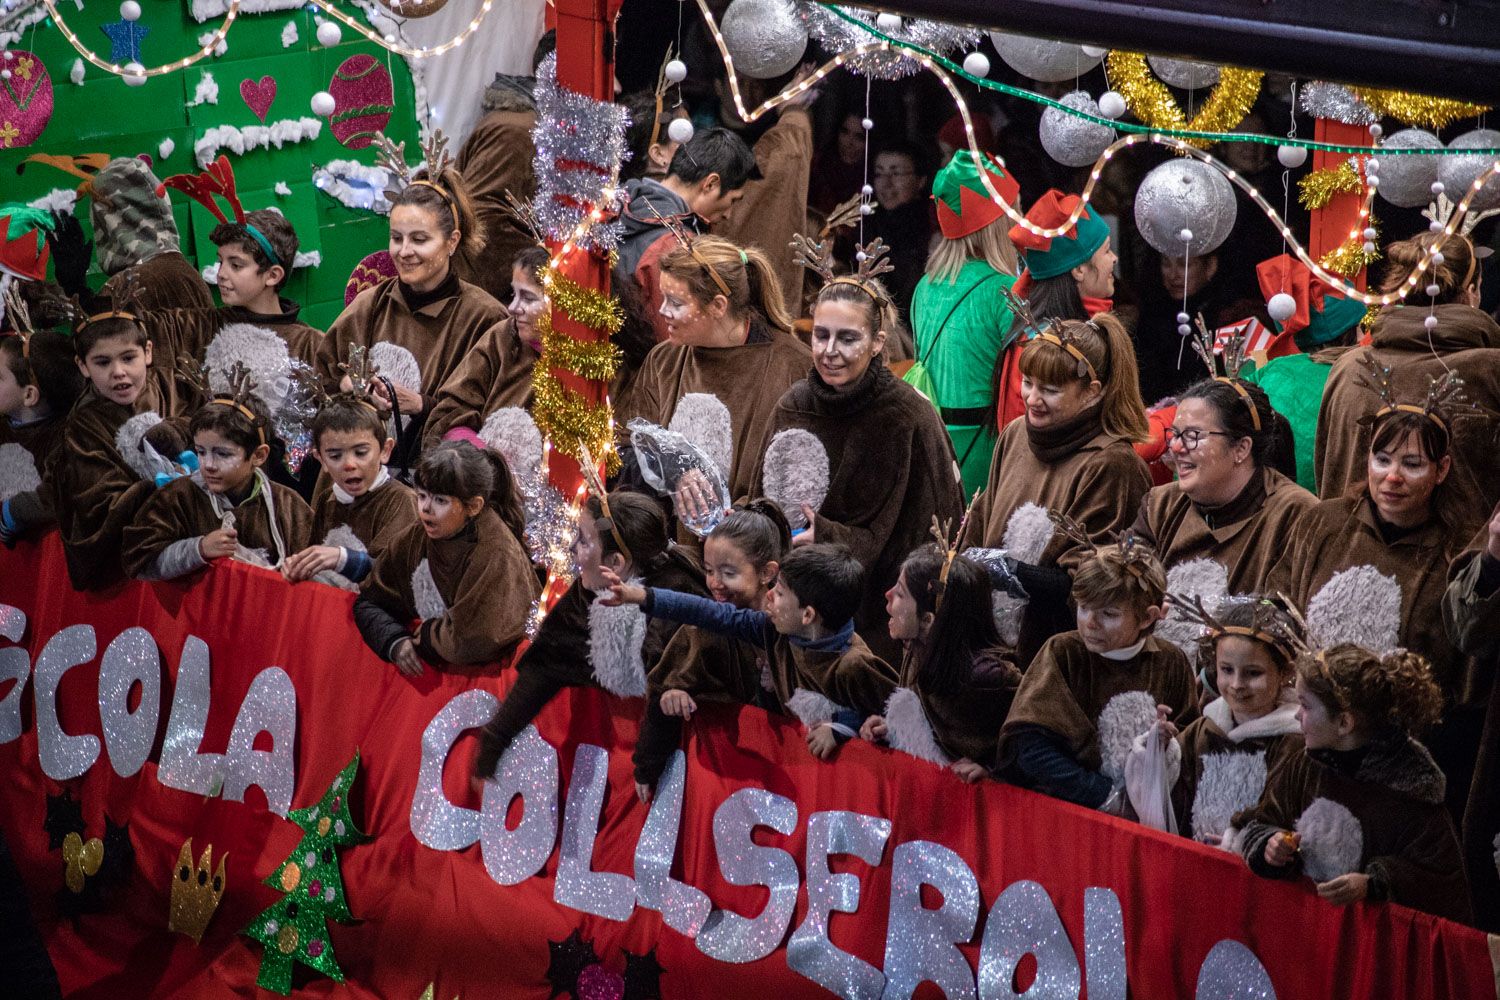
[195, 892]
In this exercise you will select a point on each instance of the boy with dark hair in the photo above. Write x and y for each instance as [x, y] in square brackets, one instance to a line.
[1090, 693]
[819, 669]
[254, 267]
[39, 383]
[227, 509]
[707, 176]
[358, 510]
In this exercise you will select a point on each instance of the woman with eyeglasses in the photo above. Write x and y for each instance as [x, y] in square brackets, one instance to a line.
[1421, 339]
[1070, 453]
[1229, 502]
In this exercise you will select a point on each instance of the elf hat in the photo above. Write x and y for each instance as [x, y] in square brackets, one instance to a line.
[1322, 314]
[23, 241]
[964, 206]
[1047, 257]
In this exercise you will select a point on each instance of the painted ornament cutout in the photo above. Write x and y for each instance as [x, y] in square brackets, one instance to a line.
[258, 95]
[25, 100]
[363, 100]
[368, 273]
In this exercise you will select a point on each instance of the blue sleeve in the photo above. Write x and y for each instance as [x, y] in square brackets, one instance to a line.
[1051, 770]
[357, 565]
[715, 616]
[846, 723]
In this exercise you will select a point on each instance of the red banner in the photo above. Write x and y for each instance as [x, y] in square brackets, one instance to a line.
[165, 712]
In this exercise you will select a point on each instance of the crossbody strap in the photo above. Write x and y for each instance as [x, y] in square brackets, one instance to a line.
[944, 325]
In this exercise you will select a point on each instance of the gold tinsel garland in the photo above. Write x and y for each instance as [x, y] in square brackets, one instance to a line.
[591, 359]
[593, 309]
[1152, 102]
[567, 419]
[1318, 188]
[1350, 258]
[1417, 109]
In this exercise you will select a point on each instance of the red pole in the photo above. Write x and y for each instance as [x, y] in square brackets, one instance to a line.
[1332, 224]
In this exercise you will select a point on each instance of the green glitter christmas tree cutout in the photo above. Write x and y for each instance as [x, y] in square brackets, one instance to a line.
[294, 929]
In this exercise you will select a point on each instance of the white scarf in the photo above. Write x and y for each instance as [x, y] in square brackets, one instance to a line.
[348, 498]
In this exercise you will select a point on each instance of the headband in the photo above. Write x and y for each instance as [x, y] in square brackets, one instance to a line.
[231, 403]
[111, 314]
[1410, 408]
[613, 530]
[1260, 635]
[1052, 338]
[703, 263]
[880, 300]
[950, 549]
[447, 198]
[265, 244]
[1245, 395]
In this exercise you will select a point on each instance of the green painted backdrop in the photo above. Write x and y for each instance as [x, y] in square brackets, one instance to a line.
[105, 115]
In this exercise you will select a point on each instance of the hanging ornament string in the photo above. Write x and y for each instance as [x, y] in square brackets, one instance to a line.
[136, 71]
[1138, 135]
[866, 191]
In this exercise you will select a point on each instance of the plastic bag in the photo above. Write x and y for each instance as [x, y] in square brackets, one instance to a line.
[667, 460]
[1149, 776]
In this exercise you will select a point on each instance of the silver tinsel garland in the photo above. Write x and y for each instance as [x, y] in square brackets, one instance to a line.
[579, 143]
[1337, 103]
[836, 34]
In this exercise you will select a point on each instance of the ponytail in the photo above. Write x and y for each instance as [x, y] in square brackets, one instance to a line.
[765, 289]
[458, 469]
[1106, 345]
[1124, 410]
[713, 266]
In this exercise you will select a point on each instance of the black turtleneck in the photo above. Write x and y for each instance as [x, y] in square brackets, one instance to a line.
[447, 288]
[873, 382]
[1244, 506]
[1055, 443]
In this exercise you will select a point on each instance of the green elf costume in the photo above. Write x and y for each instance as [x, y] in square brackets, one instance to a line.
[1294, 381]
[960, 322]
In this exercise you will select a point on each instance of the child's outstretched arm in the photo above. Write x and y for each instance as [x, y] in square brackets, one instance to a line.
[725, 619]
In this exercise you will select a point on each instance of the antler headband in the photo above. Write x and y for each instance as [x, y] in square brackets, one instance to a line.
[589, 469]
[1445, 396]
[218, 179]
[392, 157]
[950, 548]
[685, 239]
[241, 387]
[1289, 644]
[870, 260]
[1050, 331]
[1134, 554]
[1232, 351]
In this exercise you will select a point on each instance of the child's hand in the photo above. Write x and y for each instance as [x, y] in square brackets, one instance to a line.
[873, 731]
[821, 741]
[404, 656]
[311, 561]
[218, 544]
[969, 771]
[1166, 729]
[679, 704]
[1345, 889]
[644, 792]
[807, 535]
[1281, 849]
[620, 592]
[694, 497]
[411, 402]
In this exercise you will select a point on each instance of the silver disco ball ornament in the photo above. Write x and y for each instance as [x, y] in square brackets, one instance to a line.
[765, 38]
[1074, 141]
[1406, 181]
[1186, 74]
[1458, 173]
[1042, 59]
[1180, 198]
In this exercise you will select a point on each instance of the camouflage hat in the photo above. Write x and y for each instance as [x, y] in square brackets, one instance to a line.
[131, 224]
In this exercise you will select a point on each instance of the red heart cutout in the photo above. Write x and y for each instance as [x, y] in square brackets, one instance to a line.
[259, 95]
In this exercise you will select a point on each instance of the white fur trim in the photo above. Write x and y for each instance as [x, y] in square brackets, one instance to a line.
[63, 200]
[907, 728]
[251, 137]
[130, 442]
[1123, 718]
[1028, 532]
[258, 349]
[615, 638]
[1204, 578]
[1333, 842]
[511, 431]
[17, 471]
[424, 593]
[795, 472]
[343, 537]
[704, 420]
[1230, 782]
[812, 708]
[1280, 721]
[1360, 605]
[400, 366]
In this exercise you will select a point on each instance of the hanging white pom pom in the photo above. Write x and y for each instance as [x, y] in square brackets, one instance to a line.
[867, 123]
[135, 74]
[330, 34]
[977, 64]
[1370, 233]
[1376, 131]
[1291, 157]
[1185, 236]
[681, 130]
[1183, 317]
[676, 71]
[1183, 329]
[130, 11]
[888, 22]
[866, 190]
[1281, 307]
[4, 74]
[1430, 323]
[1433, 291]
[1438, 258]
[1111, 104]
[323, 104]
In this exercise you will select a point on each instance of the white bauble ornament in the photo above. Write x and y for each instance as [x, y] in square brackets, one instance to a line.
[135, 74]
[1042, 59]
[1187, 74]
[765, 38]
[1458, 173]
[1406, 181]
[330, 34]
[1112, 104]
[888, 23]
[681, 130]
[977, 64]
[1074, 141]
[676, 71]
[1281, 307]
[130, 11]
[323, 104]
[1291, 157]
[1185, 193]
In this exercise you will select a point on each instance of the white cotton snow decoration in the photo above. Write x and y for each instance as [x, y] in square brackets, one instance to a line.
[258, 349]
[812, 708]
[615, 638]
[289, 34]
[130, 442]
[220, 47]
[1203, 578]
[704, 420]
[511, 431]
[63, 200]
[165, 148]
[1123, 718]
[282, 189]
[424, 593]
[1359, 605]
[17, 471]
[795, 472]
[907, 728]
[206, 92]
[76, 74]
[1333, 842]
[243, 140]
